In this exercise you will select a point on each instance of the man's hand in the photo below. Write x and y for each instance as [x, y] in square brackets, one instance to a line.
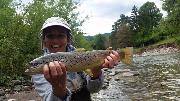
[109, 62]
[55, 74]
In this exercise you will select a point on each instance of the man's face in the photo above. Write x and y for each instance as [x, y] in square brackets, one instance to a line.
[55, 39]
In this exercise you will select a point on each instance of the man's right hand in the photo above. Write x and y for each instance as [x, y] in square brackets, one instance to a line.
[55, 74]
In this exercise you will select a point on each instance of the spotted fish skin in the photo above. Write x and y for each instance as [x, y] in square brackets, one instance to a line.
[74, 61]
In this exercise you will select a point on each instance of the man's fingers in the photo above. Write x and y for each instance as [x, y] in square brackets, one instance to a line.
[117, 55]
[115, 59]
[53, 71]
[58, 68]
[46, 71]
[63, 67]
[105, 65]
[110, 61]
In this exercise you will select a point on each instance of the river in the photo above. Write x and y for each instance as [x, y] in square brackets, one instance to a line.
[151, 77]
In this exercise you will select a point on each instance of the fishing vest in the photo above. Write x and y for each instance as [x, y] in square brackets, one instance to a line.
[83, 93]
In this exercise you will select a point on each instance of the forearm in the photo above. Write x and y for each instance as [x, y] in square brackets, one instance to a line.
[66, 97]
[59, 91]
[96, 73]
[95, 84]
[45, 90]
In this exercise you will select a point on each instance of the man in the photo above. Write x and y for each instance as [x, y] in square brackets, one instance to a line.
[56, 84]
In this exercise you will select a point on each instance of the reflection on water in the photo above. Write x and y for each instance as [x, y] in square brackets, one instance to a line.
[158, 80]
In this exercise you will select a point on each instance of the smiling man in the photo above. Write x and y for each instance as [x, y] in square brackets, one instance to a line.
[56, 84]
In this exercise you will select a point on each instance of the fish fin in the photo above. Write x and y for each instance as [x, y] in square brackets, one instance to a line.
[128, 55]
[80, 50]
[89, 72]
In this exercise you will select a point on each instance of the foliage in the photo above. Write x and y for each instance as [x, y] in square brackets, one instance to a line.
[81, 42]
[20, 32]
[101, 42]
[141, 23]
[11, 35]
[173, 18]
[147, 25]
[123, 20]
[149, 16]
[133, 21]
[122, 38]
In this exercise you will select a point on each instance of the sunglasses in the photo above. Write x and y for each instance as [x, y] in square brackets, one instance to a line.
[51, 36]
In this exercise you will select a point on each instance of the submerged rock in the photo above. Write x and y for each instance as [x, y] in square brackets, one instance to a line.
[131, 73]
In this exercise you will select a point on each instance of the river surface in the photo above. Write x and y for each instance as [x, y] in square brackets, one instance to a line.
[153, 77]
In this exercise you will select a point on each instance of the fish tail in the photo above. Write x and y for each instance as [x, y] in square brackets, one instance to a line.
[126, 55]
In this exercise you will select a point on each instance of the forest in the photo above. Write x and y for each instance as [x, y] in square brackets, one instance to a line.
[20, 26]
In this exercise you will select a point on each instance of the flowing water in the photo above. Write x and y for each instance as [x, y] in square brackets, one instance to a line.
[153, 77]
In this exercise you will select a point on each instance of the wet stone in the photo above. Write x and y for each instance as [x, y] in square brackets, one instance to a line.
[27, 83]
[105, 87]
[122, 70]
[112, 73]
[2, 98]
[108, 78]
[16, 82]
[127, 74]
[2, 92]
[27, 88]
[116, 79]
[135, 73]
[7, 90]
[18, 88]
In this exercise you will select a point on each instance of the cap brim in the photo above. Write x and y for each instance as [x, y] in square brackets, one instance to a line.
[55, 24]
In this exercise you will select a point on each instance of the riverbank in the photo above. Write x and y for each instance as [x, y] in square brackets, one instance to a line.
[20, 91]
[161, 48]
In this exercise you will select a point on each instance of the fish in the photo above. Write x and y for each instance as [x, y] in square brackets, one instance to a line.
[78, 61]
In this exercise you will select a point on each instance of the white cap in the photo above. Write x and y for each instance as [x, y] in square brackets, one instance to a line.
[52, 21]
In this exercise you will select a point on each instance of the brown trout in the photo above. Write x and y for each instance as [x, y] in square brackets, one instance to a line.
[78, 61]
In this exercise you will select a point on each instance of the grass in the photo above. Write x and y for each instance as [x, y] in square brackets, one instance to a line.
[170, 41]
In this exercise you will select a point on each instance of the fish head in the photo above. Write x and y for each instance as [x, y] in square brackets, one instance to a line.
[34, 70]
[37, 62]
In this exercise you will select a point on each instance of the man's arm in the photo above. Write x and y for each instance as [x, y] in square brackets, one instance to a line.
[44, 89]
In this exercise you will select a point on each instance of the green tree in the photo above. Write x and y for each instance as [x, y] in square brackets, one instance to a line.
[40, 10]
[122, 38]
[100, 42]
[133, 22]
[121, 30]
[20, 32]
[121, 21]
[173, 18]
[81, 42]
[149, 17]
[11, 38]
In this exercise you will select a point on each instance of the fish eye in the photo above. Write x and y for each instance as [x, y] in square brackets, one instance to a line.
[33, 64]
